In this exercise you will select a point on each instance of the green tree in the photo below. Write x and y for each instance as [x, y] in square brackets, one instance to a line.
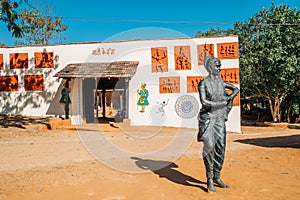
[269, 47]
[40, 29]
[214, 32]
[291, 105]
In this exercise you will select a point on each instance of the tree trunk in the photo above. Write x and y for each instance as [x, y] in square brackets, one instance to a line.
[289, 111]
[275, 105]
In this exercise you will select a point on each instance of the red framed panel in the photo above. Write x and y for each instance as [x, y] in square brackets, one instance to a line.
[1, 62]
[204, 49]
[230, 75]
[192, 83]
[159, 59]
[18, 60]
[34, 82]
[182, 56]
[228, 50]
[169, 84]
[9, 83]
[43, 60]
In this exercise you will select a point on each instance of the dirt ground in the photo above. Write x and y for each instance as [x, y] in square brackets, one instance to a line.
[36, 163]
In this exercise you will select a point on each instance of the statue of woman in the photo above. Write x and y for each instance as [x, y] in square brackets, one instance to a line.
[216, 104]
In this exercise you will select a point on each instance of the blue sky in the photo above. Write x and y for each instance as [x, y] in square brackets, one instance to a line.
[96, 20]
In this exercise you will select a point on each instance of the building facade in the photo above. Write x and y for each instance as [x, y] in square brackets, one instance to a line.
[149, 82]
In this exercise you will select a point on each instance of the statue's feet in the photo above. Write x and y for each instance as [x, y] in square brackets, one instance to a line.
[220, 183]
[211, 186]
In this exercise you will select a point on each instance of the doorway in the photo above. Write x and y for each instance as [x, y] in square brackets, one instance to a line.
[108, 97]
[110, 104]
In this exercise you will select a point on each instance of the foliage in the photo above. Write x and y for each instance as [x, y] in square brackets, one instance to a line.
[39, 29]
[9, 15]
[214, 32]
[28, 25]
[269, 55]
[269, 49]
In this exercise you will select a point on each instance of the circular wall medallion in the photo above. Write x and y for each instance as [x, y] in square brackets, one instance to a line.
[187, 106]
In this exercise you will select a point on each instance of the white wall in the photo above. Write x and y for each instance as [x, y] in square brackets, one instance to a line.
[46, 102]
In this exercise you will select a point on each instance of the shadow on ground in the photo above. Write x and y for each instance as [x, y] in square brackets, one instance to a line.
[19, 121]
[166, 169]
[291, 141]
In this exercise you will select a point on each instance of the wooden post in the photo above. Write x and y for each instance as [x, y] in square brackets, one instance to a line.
[103, 103]
[67, 99]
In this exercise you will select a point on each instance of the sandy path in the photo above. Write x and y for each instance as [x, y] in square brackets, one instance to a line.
[261, 163]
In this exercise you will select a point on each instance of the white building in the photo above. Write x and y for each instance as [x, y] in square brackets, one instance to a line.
[105, 79]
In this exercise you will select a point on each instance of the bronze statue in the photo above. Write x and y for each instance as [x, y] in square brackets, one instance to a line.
[216, 104]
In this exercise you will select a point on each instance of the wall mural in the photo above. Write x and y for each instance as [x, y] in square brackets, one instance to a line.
[34, 82]
[169, 84]
[204, 49]
[230, 75]
[161, 107]
[9, 83]
[192, 83]
[187, 106]
[18, 60]
[1, 62]
[142, 97]
[43, 60]
[159, 59]
[228, 50]
[182, 55]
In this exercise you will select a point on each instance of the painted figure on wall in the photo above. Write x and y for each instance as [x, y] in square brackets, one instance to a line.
[34, 82]
[230, 75]
[9, 83]
[161, 107]
[182, 58]
[18, 60]
[228, 50]
[203, 50]
[159, 59]
[44, 60]
[216, 105]
[142, 97]
[169, 84]
[192, 83]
